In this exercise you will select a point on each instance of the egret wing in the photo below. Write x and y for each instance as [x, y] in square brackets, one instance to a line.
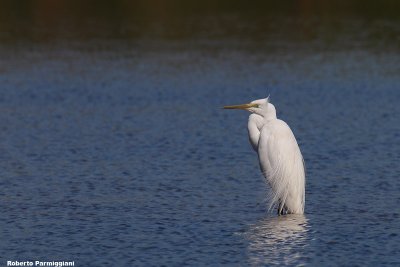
[282, 164]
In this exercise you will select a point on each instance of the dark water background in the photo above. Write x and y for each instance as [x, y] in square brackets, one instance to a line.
[114, 150]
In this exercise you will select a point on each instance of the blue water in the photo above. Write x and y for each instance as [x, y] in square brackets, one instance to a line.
[116, 152]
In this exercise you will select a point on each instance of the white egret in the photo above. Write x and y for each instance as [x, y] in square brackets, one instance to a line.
[279, 155]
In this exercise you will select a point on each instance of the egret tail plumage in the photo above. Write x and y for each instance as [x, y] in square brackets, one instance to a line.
[281, 161]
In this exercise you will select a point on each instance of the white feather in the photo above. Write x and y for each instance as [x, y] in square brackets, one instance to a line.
[254, 127]
[281, 163]
[279, 155]
[280, 158]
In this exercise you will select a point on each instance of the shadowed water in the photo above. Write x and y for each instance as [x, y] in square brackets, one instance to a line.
[115, 150]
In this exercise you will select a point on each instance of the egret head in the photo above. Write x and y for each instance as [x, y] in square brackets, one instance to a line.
[260, 107]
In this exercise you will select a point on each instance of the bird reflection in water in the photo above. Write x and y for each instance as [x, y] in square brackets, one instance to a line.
[278, 240]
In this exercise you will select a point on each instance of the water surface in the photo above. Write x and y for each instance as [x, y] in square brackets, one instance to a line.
[115, 149]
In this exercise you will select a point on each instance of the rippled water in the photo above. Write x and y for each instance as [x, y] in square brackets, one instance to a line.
[116, 152]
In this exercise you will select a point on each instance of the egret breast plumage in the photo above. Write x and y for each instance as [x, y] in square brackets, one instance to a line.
[281, 161]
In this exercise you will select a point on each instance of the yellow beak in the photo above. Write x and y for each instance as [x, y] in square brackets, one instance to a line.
[243, 106]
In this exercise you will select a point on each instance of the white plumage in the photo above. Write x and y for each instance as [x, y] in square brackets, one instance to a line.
[279, 155]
